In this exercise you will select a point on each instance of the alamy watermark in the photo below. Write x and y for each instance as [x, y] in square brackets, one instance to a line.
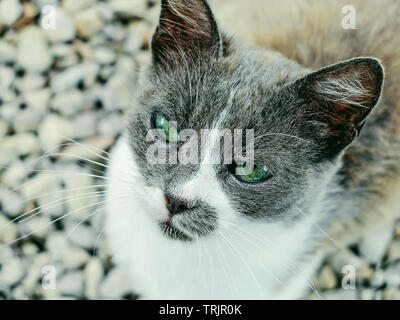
[48, 17]
[349, 19]
[349, 277]
[49, 277]
[193, 148]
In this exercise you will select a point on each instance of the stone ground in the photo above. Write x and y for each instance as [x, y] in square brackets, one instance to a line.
[75, 81]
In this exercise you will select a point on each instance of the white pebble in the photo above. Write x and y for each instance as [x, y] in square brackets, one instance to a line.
[137, 33]
[65, 54]
[30, 82]
[3, 128]
[76, 5]
[56, 242]
[98, 142]
[85, 125]
[82, 236]
[344, 258]
[135, 8]
[65, 29]
[7, 77]
[10, 11]
[12, 272]
[51, 203]
[70, 78]
[104, 55]
[378, 278]
[88, 23]
[53, 131]
[30, 249]
[93, 275]
[373, 246]
[9, 230]
[115, 285]
[326, 279]
[391, 293]
[12, 202]
[118, 92]
[18, 293]
[38, 100]
[33, 54]
[71, 284]
[68, 102]
[6, 254]
[7, 52]
[110, 124]
[74, 258]
[40, 184]
[37, 227]
[15, 173]
[394, 251]
[20, 144]
[392, 276]
[27, 120]
[80, 202]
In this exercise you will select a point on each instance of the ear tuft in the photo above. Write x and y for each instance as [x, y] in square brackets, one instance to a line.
[343, 95]
[186, 28]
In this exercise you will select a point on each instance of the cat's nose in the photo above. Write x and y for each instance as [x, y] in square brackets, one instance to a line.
[175, 205]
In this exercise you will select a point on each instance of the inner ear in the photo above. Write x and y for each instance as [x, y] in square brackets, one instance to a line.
[186, 28]
[341, 97]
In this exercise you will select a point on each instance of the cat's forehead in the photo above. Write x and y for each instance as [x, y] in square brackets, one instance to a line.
[247, 86]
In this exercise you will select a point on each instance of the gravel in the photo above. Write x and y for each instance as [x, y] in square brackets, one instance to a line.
[374, 245]
[74, 82]
[10, 11]
[33, 40]
[65, 29]
[57, 84]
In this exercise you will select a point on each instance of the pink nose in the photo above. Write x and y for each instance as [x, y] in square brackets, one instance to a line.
[175, 205]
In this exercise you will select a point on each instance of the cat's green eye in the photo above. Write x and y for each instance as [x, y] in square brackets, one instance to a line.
[260, 173]
[169, 132]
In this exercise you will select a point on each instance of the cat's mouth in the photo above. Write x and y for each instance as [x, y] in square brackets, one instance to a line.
[172, 232]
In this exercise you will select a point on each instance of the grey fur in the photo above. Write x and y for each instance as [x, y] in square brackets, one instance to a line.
[274, 96]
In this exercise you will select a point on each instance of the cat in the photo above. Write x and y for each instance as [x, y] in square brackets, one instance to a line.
[324, 105]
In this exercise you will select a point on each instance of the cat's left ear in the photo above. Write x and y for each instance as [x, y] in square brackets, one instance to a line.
[340, 97]
[186, 28]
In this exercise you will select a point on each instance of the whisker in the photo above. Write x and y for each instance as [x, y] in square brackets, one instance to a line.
[223, 264]
[244, 262]
[54, 221]
[338, 246]
[40, 209]
[88, 148]
[97, 241]
[311, 285]
[63, 191]
[79, 223]
[58, 201]
[77, 157]
[67, 174]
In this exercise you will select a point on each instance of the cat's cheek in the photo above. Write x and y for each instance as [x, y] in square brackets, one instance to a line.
[126, 179]
[155, 204]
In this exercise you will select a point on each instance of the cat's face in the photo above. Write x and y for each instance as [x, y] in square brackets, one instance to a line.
[301, 122]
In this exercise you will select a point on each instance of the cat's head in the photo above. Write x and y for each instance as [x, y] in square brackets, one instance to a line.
[302, 121]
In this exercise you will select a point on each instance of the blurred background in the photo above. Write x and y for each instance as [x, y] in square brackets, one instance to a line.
[68, 71]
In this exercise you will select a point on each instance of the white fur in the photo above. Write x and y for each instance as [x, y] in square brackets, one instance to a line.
[243, 259]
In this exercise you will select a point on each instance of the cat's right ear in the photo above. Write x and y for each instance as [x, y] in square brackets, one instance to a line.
[339, 99]
[186, 30]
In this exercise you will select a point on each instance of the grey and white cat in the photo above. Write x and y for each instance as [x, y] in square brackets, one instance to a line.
[201, 231]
